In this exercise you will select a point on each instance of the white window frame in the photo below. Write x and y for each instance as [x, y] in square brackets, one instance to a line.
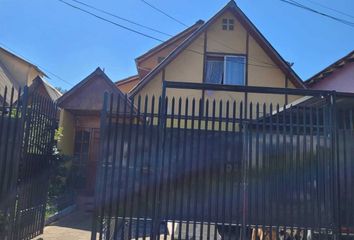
[244, 72]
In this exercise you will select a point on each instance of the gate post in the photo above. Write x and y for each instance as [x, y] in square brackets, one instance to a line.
[97, 200]
[161, 126]
[335, 166]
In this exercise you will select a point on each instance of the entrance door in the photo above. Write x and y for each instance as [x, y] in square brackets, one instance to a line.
[86, 153]
[92, 161]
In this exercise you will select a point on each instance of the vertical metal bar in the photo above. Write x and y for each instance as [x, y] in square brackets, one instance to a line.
[198, 169]
[183, 167]
[257, 175]
[169, 190]
[121, 119]
[141, 210]
[271, 172]
[190, 171]
[278, 173]
[204, 167]
[115, 117]
[244, 131]
[4, 167]
[97, 200]
[263, 170]
[216, 166]
[249, 171]
[233, 167]
[149, 164]
[134, 206]
[175, 180]
[225, 162]
[127, 184]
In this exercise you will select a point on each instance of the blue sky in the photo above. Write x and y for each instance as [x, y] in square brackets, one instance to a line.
[72, 44]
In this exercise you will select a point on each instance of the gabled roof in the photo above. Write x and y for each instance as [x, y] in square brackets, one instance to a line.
[330, 69]
[23, 60]
[172, 40]
[248, 25]
[53, 93]
[127, 80]
[126, 84]
[97, 73]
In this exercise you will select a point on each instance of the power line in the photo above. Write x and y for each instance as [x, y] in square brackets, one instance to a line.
[332, 9]
[181, 22]
[164, 13]
[111, 22]
[155, 30]
[299, 5]
[140, 33]
[121, 18]
[41, 67]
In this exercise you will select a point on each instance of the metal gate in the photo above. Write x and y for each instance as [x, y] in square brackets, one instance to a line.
[27, 125]
[201, 169]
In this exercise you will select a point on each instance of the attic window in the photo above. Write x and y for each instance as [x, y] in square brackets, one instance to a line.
[228, 24]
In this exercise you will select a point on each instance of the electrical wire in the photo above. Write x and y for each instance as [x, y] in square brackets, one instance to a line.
[299, 5]
[332, 9]
[122, 18]
[164, 13]
[143, 34]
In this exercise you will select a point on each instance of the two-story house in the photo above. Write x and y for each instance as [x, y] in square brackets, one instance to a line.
[226, 49]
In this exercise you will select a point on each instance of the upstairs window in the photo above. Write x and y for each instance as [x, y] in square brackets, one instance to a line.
[228, 24]
[228, 70]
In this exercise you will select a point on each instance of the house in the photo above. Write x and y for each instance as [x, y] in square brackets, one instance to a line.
[16, 72]
[227, 49]
[338, 76]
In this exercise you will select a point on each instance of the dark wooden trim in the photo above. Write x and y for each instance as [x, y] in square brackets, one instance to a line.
[286, 86]
[201, 110]
[246, 73]
[226, 54]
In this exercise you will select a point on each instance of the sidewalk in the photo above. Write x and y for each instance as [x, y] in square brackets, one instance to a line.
[75, 226]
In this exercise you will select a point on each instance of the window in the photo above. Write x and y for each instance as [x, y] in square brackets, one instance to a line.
[226, 70]
[81, 149]
[228, 24]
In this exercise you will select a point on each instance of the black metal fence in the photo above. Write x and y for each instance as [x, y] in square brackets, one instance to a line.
[27, 125]
[200, 169]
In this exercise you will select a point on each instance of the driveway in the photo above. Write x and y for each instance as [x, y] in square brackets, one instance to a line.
[75, 226]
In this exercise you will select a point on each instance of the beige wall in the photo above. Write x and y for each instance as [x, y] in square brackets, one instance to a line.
[67, 123]
[21, 71]
[188, 67]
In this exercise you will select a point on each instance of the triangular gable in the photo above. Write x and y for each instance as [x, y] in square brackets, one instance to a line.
[23, 60]
[146, 62]
[248, 25]
[38, 85]
[88, 94]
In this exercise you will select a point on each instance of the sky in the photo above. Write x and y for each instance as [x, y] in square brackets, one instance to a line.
[68, 45]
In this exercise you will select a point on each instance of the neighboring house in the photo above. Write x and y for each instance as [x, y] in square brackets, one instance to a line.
[338, 76]
[80, 121]
[15, 72]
